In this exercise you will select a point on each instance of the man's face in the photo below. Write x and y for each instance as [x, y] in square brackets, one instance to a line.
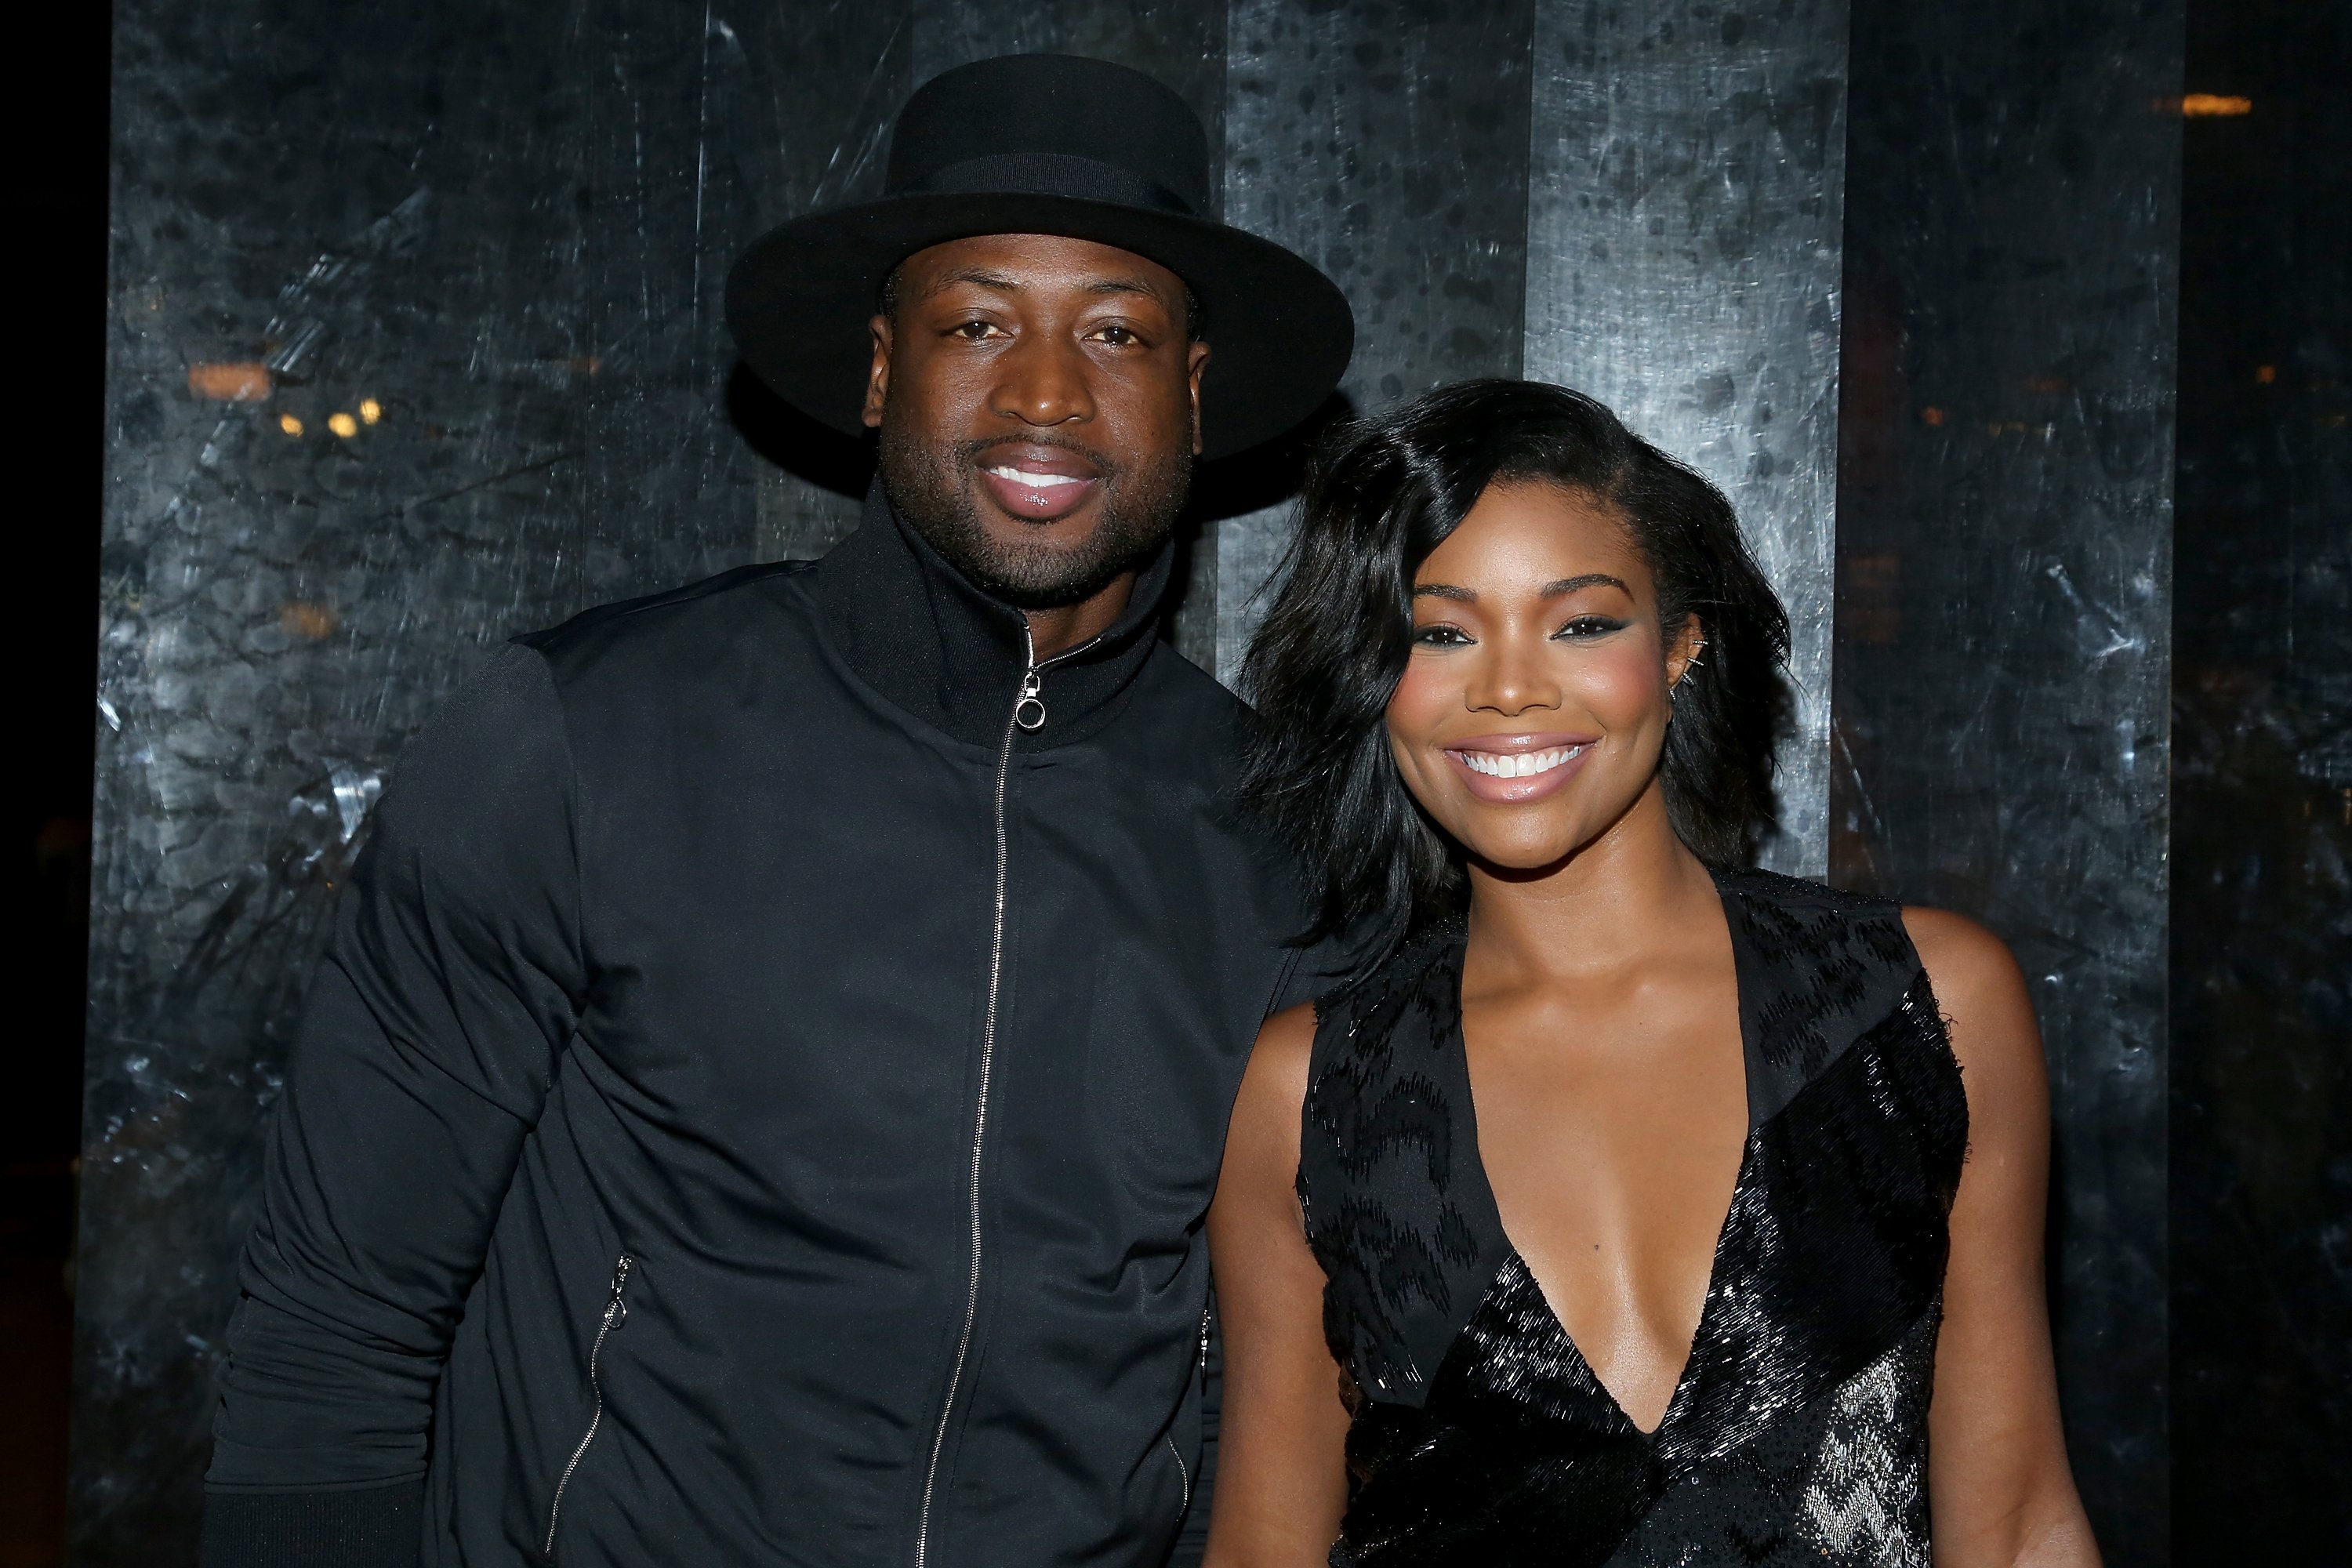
[1039, 406]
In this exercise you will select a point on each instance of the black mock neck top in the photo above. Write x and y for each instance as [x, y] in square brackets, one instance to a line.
[1797, 1432]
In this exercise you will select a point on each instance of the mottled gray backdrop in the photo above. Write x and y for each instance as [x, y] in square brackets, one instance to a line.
[414, 343]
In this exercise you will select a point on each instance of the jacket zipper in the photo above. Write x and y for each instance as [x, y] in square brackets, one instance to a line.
[1028, 715]
[617, 1312]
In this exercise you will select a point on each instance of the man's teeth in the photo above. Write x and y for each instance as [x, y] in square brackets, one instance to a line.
[1035, 481]
[1516, 764]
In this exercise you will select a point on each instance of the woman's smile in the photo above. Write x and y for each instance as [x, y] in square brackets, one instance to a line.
[1510, 770]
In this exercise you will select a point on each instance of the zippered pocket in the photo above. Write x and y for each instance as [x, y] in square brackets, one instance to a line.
[1201, 1373]
[617, 1312]
[1184, 1472]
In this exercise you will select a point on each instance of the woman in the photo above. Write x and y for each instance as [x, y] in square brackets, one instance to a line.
[1620, 1214]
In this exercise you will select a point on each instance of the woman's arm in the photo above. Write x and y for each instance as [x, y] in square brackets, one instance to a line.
[1998, 1480]
[1281, 1470]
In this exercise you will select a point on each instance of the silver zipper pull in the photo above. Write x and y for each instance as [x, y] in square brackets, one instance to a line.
[616, 1309]
[1029, 712]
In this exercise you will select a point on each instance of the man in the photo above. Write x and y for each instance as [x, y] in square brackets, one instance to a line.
[762, 1096]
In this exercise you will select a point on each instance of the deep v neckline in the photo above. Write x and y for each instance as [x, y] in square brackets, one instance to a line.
[1682, 1394]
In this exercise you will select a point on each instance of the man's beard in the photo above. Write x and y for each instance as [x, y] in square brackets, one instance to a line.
[932, 487]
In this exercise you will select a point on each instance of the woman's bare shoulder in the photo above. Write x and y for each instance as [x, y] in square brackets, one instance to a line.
[1981, 993]
[1289, 1033]
[1279, 1064]
[1972, 971]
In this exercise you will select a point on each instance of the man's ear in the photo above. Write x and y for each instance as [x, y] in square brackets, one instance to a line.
[878, 374]
[1197, 358]
[1684, 653]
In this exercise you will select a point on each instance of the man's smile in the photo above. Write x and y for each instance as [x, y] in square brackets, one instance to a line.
[1037, 482]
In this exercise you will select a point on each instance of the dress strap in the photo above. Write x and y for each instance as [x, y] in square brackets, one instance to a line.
[1397, 1210]
[1819, 968]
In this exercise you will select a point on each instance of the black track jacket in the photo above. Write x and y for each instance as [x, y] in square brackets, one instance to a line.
[760, 1102]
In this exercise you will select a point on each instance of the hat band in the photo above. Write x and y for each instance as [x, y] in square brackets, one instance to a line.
[1048, 175]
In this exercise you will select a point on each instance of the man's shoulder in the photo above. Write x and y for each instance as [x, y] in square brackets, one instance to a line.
[1188, 715]
[676, 630]
[1177, 685]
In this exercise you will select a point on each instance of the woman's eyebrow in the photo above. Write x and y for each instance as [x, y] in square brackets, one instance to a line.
[1551, 590]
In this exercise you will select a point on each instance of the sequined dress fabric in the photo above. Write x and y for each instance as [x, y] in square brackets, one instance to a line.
[1797, 1433]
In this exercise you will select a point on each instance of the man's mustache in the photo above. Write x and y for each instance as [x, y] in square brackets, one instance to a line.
[971, 452]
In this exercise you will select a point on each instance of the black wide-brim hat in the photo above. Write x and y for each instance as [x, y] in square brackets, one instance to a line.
[1044, 145]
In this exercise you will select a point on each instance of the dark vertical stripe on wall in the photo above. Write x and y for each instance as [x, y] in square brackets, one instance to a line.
[2262, 808]
[1682, 267]
[1388, 144]
[414, 342]
[2004, 537]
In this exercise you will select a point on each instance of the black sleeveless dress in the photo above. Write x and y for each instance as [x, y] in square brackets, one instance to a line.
[1799, 1431]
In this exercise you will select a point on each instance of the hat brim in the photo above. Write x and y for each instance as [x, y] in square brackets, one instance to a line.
[1279, 331]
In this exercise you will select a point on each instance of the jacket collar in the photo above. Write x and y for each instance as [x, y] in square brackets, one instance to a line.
[952, 655]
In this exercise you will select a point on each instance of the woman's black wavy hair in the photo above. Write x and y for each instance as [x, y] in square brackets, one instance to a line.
[1379, 497]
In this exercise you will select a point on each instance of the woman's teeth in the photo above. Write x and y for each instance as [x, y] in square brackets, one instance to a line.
[1516, 764]
[1035, 481]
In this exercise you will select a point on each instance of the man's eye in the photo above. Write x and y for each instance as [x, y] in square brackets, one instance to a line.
[1118, 337]
[1590, 626]
[1442, 637]
[971, 331]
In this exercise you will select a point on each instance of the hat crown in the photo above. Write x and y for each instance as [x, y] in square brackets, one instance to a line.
[964, 123]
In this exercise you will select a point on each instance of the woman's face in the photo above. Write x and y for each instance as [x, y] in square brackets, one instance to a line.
[1534, 704]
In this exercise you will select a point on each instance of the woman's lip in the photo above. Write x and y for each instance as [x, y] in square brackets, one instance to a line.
[1543, 751]
[1034, 495]
[1519, 741]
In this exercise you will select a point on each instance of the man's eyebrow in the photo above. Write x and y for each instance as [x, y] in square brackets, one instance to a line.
[1444, 591]
[983, 278]
[979, 275]
[1125, 285]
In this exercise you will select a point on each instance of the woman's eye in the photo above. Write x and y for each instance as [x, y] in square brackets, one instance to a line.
[1590, 626]
[1441, 636]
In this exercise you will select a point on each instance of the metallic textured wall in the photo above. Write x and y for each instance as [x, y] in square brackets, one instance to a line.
[1683, 267]
[414, 343]
[2005, 545]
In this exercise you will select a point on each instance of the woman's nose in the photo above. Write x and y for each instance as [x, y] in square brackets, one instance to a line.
[1514, 677]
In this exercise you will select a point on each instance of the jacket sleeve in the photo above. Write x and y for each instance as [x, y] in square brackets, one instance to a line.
[428, 1043]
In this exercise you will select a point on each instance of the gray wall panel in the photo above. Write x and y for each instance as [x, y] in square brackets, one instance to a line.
[1387, 143]
[1683, 267]
[819, 98]
[2005, 534]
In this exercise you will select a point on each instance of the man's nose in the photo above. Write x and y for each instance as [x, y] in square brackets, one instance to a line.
[1044, 382]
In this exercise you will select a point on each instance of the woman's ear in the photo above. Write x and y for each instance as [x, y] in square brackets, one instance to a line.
[1684, 654]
